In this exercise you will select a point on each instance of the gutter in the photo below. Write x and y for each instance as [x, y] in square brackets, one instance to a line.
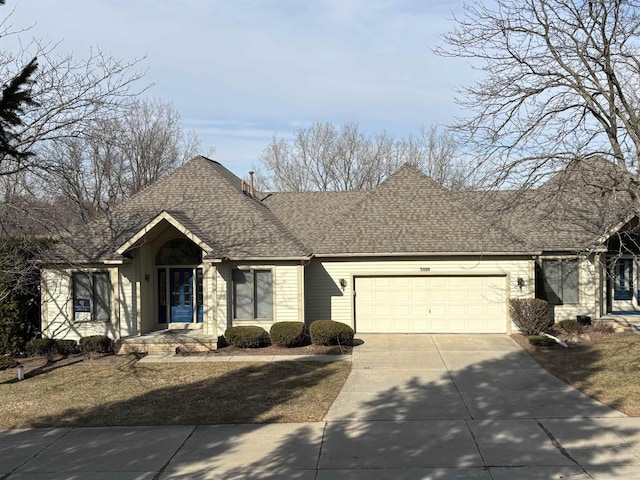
[426, 254]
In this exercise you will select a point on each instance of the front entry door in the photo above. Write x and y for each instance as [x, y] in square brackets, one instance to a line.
[623, 285]
[181, 294]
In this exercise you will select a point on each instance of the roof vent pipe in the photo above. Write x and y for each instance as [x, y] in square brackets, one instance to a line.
[251, 183]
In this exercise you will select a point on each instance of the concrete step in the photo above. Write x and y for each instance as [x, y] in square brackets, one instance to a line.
[167, 342]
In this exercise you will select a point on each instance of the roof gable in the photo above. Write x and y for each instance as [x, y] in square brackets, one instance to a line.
[176, 220]
[226, 220]
[411, 213]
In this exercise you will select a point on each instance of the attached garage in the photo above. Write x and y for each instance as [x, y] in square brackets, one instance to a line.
[431, 304]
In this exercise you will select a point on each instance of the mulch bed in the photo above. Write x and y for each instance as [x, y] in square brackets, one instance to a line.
[588, 335]
[273, 350]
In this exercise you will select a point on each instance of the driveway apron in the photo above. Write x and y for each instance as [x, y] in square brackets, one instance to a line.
[435, 404]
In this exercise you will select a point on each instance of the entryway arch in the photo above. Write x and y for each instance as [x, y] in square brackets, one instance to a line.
[180, 282]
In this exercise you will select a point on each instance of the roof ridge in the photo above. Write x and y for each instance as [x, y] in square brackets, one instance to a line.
[375, 192]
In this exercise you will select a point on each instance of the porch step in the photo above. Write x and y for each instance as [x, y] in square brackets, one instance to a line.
[167, 342]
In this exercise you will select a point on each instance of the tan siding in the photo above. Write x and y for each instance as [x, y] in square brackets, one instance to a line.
[59, 321]
[127, 301]
[325, 299]
[286, 293]
[587, 293]
[223, 310]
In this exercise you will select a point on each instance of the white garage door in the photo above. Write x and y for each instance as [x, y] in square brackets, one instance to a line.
[452, 304]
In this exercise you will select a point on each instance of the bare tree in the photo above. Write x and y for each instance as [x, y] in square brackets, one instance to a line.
[325, 157]
[559, 83]
[118, 156]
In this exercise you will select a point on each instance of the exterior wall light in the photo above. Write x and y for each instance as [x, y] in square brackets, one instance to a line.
[521, 282]
[343, 284]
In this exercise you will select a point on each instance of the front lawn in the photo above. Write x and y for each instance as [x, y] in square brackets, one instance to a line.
[121, 391]
[607, 369]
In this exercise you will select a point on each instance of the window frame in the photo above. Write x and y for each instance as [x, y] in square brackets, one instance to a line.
[96, 306]
[549, 293]
[254, 301]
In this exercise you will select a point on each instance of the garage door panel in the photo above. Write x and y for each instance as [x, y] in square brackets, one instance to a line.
[460, 304]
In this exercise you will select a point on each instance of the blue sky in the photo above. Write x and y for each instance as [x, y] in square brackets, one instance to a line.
[239, 71]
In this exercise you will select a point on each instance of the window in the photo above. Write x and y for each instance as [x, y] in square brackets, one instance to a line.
[179, 252]
[252, 294]
[559, 281]
[91, 297]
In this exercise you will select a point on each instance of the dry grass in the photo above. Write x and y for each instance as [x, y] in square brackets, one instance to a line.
[121, 391]
[607, 369]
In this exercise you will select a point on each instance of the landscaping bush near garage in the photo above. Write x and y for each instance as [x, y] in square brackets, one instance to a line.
[288, 334]
[531, 315]
[329, 332]
[247, 336]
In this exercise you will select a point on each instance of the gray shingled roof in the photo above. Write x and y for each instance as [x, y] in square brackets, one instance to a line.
[206, 195]
[568, 213]
[410, 213]
[406, 214]
[308, 215]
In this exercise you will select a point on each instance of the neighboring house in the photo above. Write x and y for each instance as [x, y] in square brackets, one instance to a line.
[198, 250]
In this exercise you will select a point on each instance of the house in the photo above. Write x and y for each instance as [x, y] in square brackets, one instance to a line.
[199, 249]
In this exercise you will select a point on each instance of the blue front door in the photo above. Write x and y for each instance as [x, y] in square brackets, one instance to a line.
[181, 294]
[623, 280]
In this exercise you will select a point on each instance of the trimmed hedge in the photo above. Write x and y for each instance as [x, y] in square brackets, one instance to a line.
[531, 315]
[288, 334]
[541, 341]
[49, 347]
[42, 346]
[248, 336]
[329, 332]
[96, 344]
[67, 347]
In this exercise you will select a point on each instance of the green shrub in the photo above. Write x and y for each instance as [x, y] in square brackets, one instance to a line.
[7, 362]
[67, 347]
[288, 334]
[531, 315]
[541, 341]
[247, 336]
[96, 344]
[570, 326]
[45, 347]
[329, 332]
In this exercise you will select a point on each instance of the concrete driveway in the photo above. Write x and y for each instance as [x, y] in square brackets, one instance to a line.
[414, 407]
[453, 377]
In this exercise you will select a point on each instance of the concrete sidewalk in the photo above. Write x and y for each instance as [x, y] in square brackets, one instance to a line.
[414, 407]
